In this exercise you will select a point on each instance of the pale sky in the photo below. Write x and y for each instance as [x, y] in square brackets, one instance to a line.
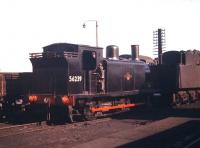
[28, 25]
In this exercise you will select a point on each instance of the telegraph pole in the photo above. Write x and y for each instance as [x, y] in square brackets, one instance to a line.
[159, 43]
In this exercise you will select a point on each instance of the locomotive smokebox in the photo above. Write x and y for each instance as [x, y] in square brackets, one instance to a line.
[135, 52]
[112, 52]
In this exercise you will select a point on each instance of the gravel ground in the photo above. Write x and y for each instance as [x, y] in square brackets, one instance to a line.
[66, 135]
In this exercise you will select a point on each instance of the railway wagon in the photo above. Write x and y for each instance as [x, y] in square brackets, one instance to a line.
[76, 80]
[14, 89]
[178, 75]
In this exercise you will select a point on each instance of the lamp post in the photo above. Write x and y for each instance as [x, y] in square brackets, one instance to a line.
[84, 26]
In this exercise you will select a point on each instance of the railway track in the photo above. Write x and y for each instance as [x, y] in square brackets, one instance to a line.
[35, 127]
[8, 126]
[20, 129]
[189, 135]
[193, 144]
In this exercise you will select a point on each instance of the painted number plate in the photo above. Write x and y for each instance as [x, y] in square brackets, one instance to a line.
[75, 78]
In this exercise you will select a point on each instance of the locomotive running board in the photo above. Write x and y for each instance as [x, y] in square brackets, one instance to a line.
[108, 108]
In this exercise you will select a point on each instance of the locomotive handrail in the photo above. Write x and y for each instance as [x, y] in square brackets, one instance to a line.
[71, 54]
[53, 54]
[35, 55]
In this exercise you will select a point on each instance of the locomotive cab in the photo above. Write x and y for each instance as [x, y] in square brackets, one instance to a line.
[63, 69]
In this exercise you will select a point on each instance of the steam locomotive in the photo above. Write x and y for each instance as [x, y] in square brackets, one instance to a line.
[79, 81]
[72, 80]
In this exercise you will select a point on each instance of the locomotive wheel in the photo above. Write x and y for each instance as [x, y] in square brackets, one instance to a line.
[88, 115]
[70, 114]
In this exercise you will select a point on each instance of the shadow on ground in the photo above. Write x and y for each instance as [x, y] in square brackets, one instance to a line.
[177, 137]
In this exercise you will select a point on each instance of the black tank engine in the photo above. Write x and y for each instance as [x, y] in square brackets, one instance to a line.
[79, 79]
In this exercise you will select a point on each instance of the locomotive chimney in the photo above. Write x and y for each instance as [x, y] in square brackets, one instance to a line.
[135, 52]
[112, 52]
